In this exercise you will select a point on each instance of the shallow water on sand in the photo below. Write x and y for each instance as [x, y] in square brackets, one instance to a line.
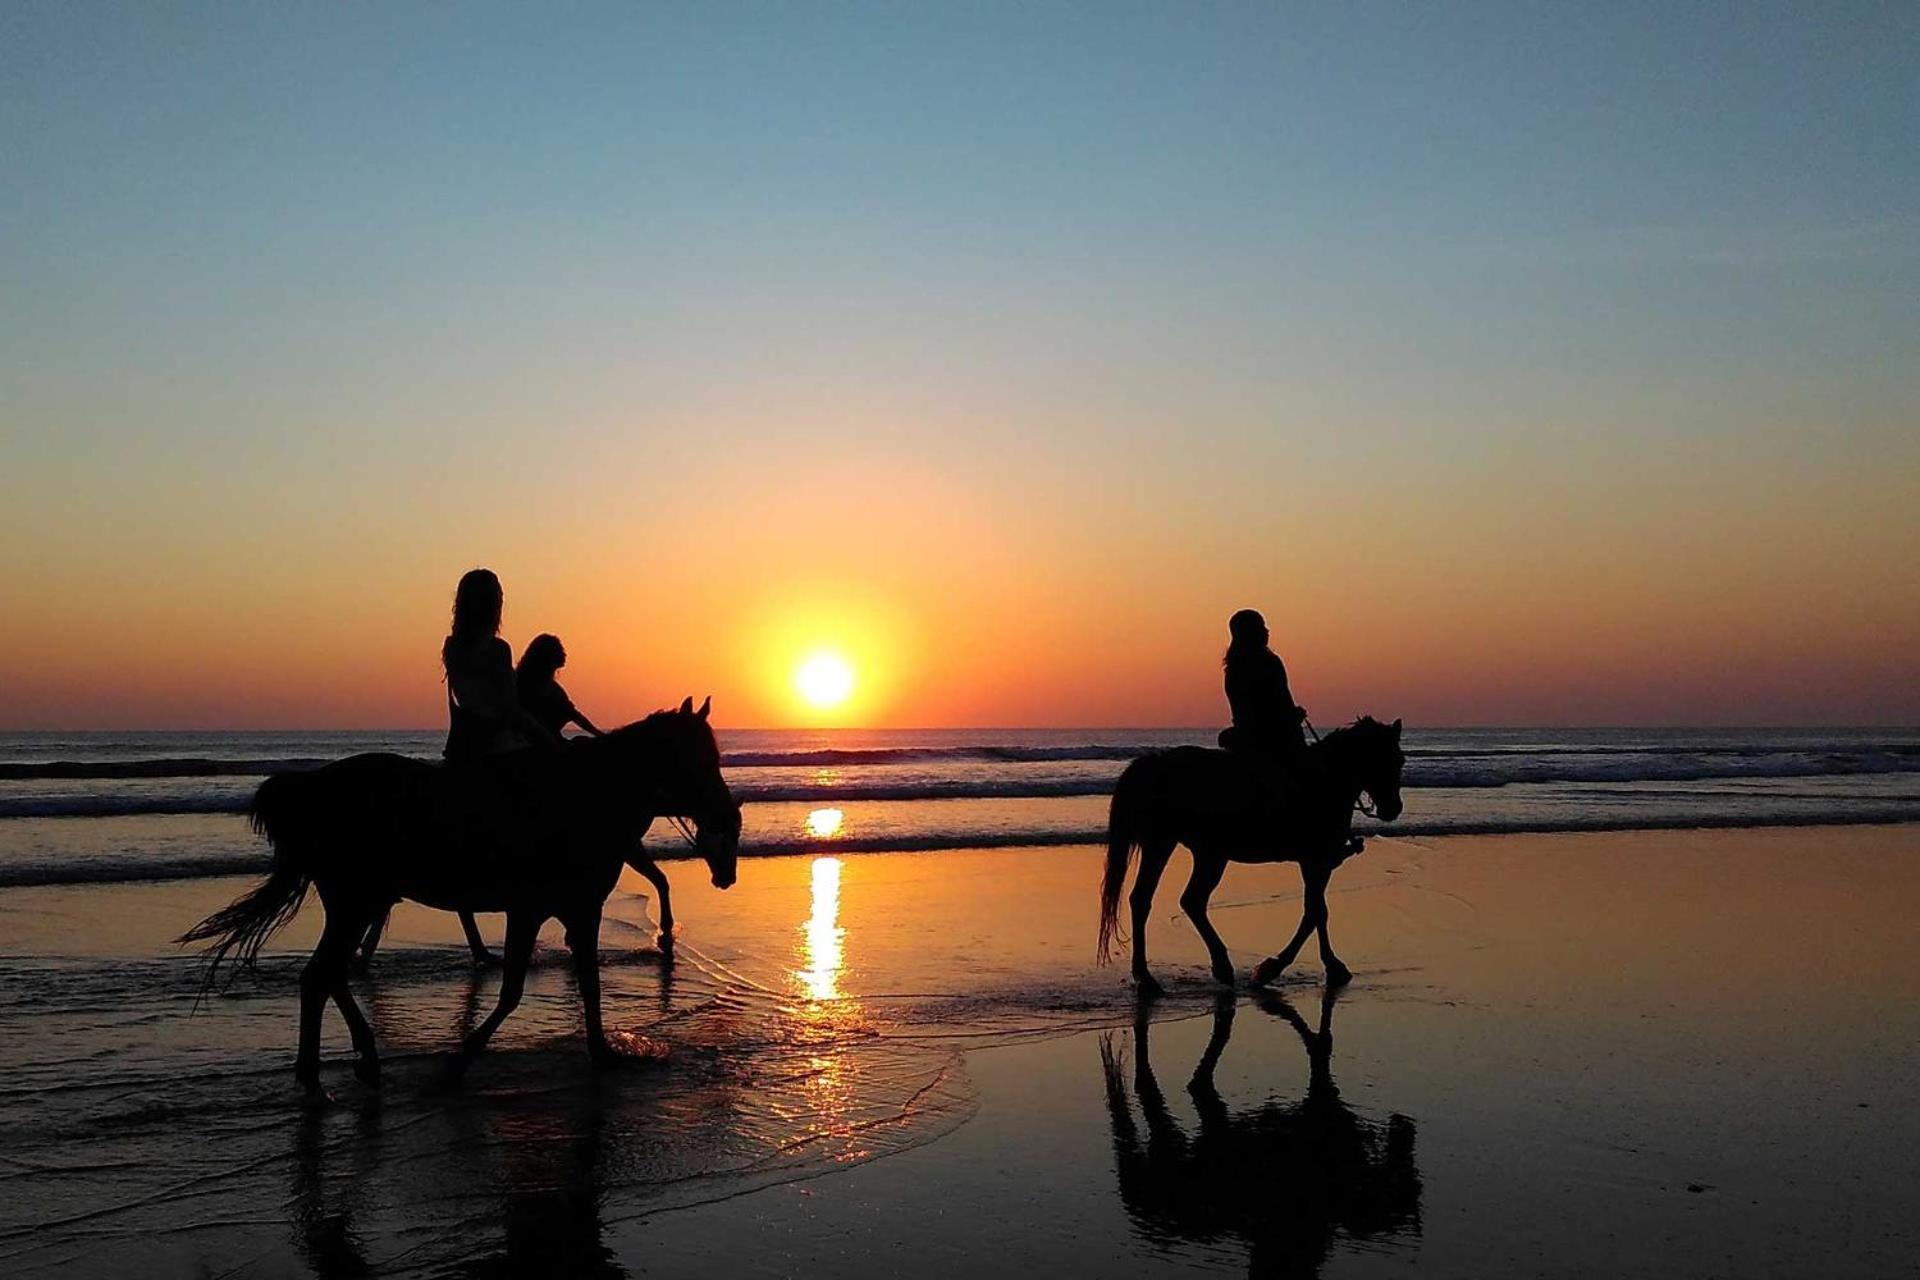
[141, 1122]
[1569, 1055]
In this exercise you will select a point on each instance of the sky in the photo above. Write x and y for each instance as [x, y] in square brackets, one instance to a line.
[1534, 364]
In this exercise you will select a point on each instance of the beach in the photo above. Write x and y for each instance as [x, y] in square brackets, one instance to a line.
[1646, 1052]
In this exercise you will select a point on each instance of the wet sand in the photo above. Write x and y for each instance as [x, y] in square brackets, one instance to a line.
[1648, 1053]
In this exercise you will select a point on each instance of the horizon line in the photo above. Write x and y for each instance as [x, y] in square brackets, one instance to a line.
[1008, 728]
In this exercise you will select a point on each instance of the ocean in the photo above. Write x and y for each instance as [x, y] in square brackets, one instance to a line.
[933, 1007]
[104, 807]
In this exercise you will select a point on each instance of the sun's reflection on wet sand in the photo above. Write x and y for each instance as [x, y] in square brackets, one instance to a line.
[822, 935]
[825, 1019]
[822, 824]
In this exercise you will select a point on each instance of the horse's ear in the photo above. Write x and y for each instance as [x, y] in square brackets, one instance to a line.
[686, 705]
[1396, 727]
[706, 706]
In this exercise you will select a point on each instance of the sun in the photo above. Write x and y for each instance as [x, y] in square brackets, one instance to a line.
[824, 680]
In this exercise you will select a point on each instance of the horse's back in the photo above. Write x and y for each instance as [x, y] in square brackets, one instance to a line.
[352, 794]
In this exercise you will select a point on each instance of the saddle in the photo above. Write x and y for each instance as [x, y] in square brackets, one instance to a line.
[1277, 778]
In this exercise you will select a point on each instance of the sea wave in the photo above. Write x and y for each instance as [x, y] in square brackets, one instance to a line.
[117, 870]
[1464, 772]
[1434, 766]
[822, 758]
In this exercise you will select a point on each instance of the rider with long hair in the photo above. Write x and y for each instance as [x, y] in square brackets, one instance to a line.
[1265, 717]
[484, 714]
[543, 696]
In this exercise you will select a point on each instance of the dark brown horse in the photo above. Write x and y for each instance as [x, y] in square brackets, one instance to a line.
[1228, 807]
[535, 836]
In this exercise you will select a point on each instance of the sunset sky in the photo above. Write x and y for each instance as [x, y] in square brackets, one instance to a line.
[1525, 365]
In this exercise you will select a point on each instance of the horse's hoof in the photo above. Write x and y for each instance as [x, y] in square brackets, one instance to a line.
[368, 1071]
[1267, 970]
[1338, 975]
[1148, 986]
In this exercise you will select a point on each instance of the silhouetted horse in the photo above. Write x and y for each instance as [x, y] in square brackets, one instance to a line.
[637, 857]
[544, 836]
[1223, 807]
[1284, 1177]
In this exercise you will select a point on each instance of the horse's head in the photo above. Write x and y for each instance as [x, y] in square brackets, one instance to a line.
[691, 786]
[1376, 763]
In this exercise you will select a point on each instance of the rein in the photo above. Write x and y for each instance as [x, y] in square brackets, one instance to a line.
[681, 824]
[1361, 804]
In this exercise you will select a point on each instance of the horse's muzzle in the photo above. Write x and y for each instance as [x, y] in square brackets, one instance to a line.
[723, 880]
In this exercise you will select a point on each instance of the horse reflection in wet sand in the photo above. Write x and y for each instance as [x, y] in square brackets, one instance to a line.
[1226, 806]
[537, 837]
[1285, 1178]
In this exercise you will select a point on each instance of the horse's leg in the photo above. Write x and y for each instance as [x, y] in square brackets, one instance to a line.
[1207, 870]
[648, 868]
[1338, 974]
[1153, 861]
[367, 1064]
[1206, 1096]
[583, 939]
[476, 945]
[327, 966]
[1273, 966]
[522, 928]
[371, 942]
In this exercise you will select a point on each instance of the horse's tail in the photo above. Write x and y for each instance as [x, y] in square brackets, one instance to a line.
[283, 810]
[1124, 816]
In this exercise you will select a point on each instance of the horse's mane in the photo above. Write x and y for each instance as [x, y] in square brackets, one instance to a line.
[644, 733]
[640, 725]
[1362, 726]
[1357, 734]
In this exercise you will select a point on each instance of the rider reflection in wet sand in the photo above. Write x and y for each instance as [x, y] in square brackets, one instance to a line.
[1287, 1178]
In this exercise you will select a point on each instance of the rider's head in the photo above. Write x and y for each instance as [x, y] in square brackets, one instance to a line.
[476, 604]
[544, 656]
[1249, 629]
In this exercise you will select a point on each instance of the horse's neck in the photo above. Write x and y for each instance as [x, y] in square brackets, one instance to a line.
[1342, 764]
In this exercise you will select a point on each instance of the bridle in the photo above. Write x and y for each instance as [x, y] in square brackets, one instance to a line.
[1361, 803]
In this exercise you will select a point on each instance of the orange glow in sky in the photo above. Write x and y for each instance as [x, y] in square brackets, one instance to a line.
[853, 416]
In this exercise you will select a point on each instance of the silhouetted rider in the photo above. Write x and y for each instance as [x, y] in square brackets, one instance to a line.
[484, 715]
[541, 694]
[1265, 716]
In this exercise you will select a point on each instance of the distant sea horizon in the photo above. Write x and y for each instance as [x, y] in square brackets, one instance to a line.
[103, 806]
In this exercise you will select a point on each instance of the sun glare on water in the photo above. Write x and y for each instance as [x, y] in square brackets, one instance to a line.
[824, 680]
